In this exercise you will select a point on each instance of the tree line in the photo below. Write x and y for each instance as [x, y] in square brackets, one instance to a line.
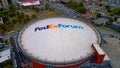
[76, 6]
[113, 11]
[11, 18]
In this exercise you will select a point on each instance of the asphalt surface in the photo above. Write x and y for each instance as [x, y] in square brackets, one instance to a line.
[112, 48]
[15, 53]
[105, 33]
[63, 10]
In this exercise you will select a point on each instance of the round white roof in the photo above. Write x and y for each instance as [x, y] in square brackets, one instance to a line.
[70, 42]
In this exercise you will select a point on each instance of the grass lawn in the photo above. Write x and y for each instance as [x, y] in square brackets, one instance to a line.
[46, 13]
[29, 12]
[18, 26]
[39, 14]
[7, 66]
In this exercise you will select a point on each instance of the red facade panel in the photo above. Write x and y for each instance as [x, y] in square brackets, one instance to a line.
[27, 0]
[98, 57]
[37, 65]
[34, 64]
[72, 66]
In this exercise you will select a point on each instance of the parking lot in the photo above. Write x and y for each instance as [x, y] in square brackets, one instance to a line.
[64, 10]
[112, 48]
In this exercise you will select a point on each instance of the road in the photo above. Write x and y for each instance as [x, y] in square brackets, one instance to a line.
[72, 13]
[15, 53]
[63, 10]
[105, 33]
[67, 12]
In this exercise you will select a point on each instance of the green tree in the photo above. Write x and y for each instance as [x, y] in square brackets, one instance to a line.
[10, 27]
[27, 17]
[46, 6]
[1, 9]
[77, 6]
[2, 31]
[12, 8]
[36, 9]
[34, 16]
[21, 15]
[116, 11]
[11, 14]
[5, 18]
[110, 20]
[72, 4]
[98, 15]
[14, 21]
[115, 18]
[2, 26]
[80, 4]
[108, 7]
[81, 9]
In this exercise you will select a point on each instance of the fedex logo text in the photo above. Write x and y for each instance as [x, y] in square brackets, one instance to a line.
[51, 26]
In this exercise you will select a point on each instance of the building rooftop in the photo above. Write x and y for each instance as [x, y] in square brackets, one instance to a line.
[98, 49]
[101, 20]
[69, 43]
[1, 45]
[5, 55]
[1, 20]
[117, 23]
[29, 2]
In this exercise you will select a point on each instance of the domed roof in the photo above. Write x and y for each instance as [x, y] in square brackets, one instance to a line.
[58, 40]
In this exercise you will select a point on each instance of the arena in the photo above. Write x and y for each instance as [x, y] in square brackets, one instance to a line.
[58, 42]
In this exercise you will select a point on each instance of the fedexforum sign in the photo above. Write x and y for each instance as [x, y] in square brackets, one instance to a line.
[50, 26]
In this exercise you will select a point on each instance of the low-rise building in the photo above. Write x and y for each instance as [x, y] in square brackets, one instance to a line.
[1, 20]
[100, 21]
[5, 56]
[1, 5]
[29, 2]
[53, 0]
[115, 25]
[15, 2]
